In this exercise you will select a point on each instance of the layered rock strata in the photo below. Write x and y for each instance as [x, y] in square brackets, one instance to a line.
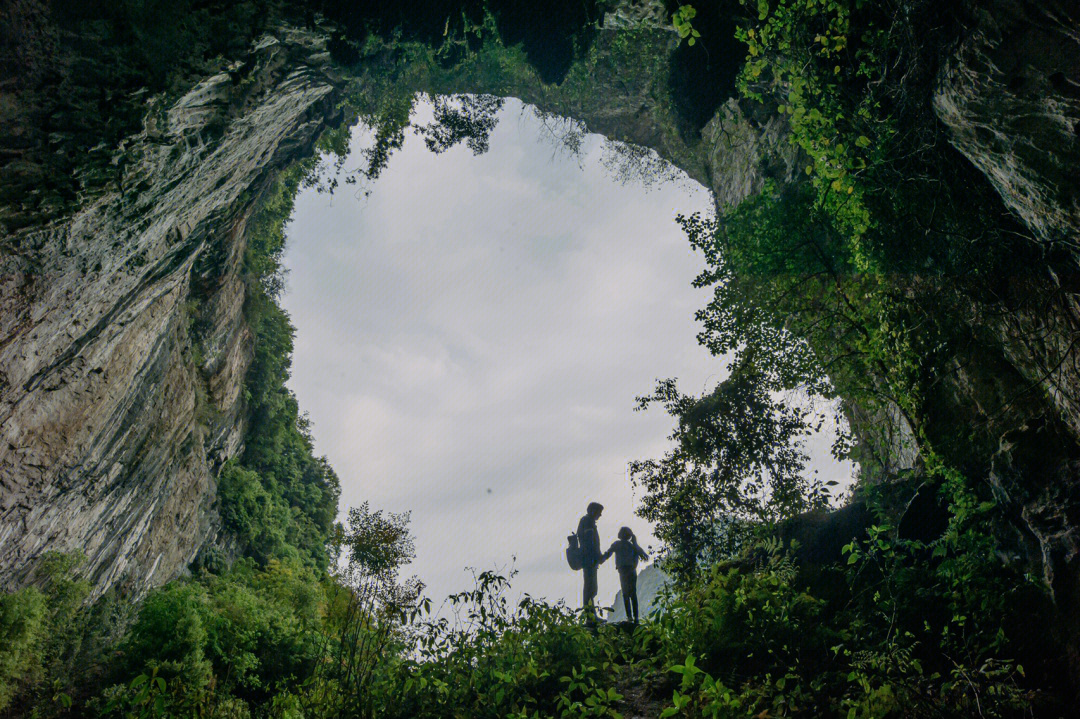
[116, 407]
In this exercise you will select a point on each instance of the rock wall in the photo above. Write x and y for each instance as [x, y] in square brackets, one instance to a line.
[651, 581]
[111, 433]
[1010, 98]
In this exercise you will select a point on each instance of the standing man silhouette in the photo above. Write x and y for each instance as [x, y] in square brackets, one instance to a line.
[589, 541]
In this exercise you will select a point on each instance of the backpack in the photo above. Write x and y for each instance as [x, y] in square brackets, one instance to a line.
[573, 552]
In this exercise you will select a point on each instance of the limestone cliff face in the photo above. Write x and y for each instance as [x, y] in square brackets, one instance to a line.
[1011, 98]
[112, 426]
[123, 346]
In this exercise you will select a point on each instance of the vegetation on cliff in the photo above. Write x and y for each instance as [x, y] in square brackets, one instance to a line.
[858, 281]
[278, 499]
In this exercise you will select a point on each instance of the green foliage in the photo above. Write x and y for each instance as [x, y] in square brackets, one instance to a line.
[22, 632]
[265, 235]
[42, 630]
[841, 284]
[901, 630]
[468, 118]
[750, 629]
[143, 698]
[362, 618]
[258, 639]
[377, 546]
[737, 460]
[680, 20]
[261, 521]
[583, 697]
[892, 640]
[820, 79]
[498, 659]
[280, 500]
[833, 283]
[841, 274]
[789, 300]
[234, 639]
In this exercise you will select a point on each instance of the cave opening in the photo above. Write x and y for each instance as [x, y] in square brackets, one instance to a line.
[474, 324]
[475, 317]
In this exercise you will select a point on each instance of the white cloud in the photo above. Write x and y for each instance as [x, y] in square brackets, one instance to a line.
[471, 337]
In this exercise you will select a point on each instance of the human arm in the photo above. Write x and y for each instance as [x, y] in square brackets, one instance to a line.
[640, 552]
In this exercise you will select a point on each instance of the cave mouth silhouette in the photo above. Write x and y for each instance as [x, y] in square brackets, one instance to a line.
[473, 325]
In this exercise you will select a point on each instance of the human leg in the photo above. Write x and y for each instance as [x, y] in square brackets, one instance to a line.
[588, 594]
[629, 595]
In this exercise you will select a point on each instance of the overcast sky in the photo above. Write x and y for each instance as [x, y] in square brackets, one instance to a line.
[471, 337]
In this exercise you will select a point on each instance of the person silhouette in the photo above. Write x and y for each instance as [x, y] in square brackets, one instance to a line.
[627, 552]
[589, 541]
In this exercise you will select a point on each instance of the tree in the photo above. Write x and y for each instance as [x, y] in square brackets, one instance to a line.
[738, 460]
[468, 118]
[364, 612]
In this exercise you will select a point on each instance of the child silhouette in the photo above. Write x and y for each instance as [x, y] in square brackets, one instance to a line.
[627, 552]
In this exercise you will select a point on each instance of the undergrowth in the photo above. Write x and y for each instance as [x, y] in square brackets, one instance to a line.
[843, 284]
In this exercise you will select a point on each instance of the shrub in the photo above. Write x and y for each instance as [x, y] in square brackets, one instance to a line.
[23, 617]
[280, 500]
[42, 632]
[261, 521]
[237, 638]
